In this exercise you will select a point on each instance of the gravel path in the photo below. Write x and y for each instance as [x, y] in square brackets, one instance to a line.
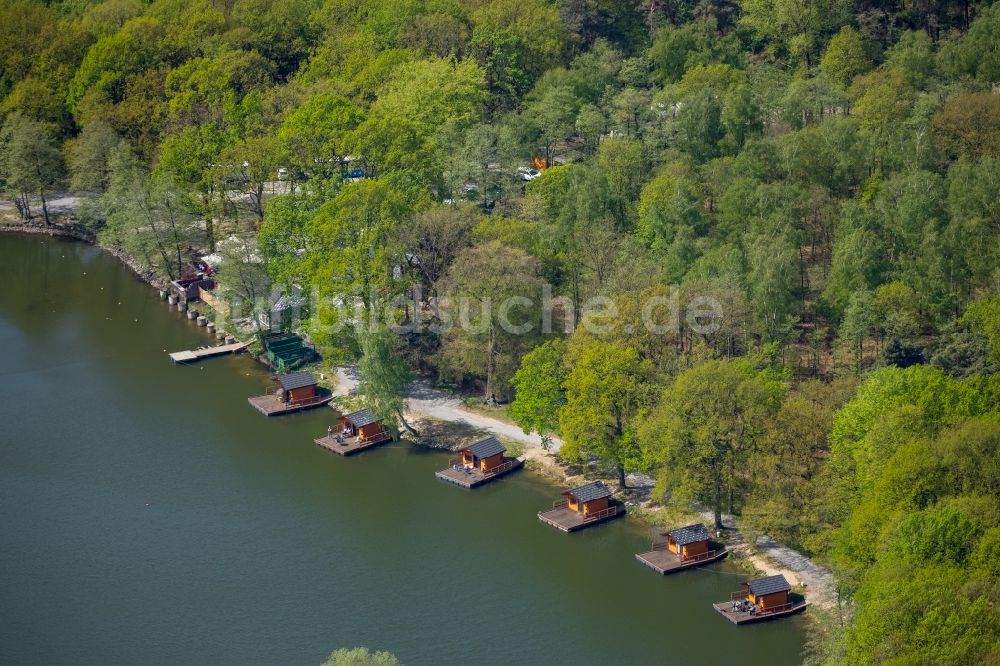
[767, 555]
[58, 204]
[424, 400]
[773, 558]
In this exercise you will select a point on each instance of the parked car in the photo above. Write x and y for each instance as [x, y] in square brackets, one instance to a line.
[528, 173]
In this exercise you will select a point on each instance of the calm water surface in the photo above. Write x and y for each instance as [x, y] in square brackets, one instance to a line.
[149, 515]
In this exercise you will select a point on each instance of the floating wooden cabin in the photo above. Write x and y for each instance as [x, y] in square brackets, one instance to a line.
[479, 463]
[294, 392]
[582, 507]
[761, 599]
[682, 548]
[358, 431]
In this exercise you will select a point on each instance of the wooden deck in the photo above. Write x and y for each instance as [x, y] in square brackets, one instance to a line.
[728, 611]
[470, 478]
[269, 405]
[663, 562]
[207, 352]
[565, 519]
[348, 446]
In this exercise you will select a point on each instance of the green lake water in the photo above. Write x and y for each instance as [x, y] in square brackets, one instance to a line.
[148, 515]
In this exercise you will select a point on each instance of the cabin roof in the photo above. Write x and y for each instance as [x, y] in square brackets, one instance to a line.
[768, 585]
[682, 536]
[589, 492]
[485, 448]
[296, 380]
[361, 418]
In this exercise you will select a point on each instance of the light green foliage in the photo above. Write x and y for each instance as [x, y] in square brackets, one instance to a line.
[147, 217]
[917, 547]
[316, 132]
[605, 389]
[973, 54]
[671, 202]
[786, 497]
[700, 126]
[282, 237]
[361, 657]
[675, 48]
[24, 29]
[352, 242]
[198, 89]
[115, 57]
[429, 93]
[623, 165]
[969, 126]
[826, 173]
[913, 55]
[704, 428]
[552, 118]
[794, 27]
[30, 162]
[984, 318]
[845, 56]
[891, 407]
[493, 295]
[539, 390]
[590, 124]
[244, 278]
[89, 157]
[897, 309]
[534, 24]
[385, 376]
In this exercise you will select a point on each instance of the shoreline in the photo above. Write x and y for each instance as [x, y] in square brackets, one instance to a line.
[538, 460]
[79, 233]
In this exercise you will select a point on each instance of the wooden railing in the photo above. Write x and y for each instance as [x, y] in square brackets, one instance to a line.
[560, 504]
[742, 596]
[604, 513]
[776, 609]
[378, 437]
[700, 556]
[501, 468]
[307, 401]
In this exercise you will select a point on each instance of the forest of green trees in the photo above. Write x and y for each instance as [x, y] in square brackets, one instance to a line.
[825, 172]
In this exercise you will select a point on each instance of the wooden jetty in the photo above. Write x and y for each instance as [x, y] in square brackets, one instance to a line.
[295, 392]
[207, 352]
[584, 506]
[683, 548]
[479, 463]
[760, 600]
[360, 431]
